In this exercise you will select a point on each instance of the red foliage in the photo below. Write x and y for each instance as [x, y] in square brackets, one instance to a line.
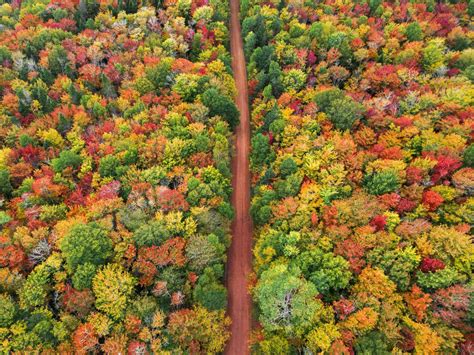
[149, 258]
[45, 187]
[379, 222]
[432, 200]
[408, 340]
[30, 154]
[390, 200]
[167, 199]
[132, 324]
[353, 253]
[414, 175]
[445, 166]
[431, 265]
[13, 257]
[137, 348]
[343, 308]
[329, 215]
[84, 338]
[406, 205]
[467, 346]
[451, 305]
[78, 302]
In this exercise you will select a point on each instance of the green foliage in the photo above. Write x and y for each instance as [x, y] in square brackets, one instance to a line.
[372, 343]
[109, 166]
[8, 310]
[468, 157]
[466, 59]
[86, 243]
[4, 218]
[287, 302]
[414, 32]
[397, 264]
[341, 110]
[328, 272]
[35, 290]
[5, 184]
[261, 153]
[58, 62]
[160, 75]
[221, 105]
[83, 276]
[66, 159]
[149, 234]
[204, 250]
[381, 183]
[439, 279]
[434, 55]
[288, 167]
[209, 292]
[344, 112]
[289, 186]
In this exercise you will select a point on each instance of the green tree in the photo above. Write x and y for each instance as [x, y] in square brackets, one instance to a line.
[209, 291]
[66, 159]
[86, 243]
[327, 271]
[414, 32]
[468, 156]
[261, 153]
[5, 184]
[153, 233]
[287, 302]
[58, 62]
[83, 276]
[8, 310]
[381, 183]
[397, 264]
[221, 105]
[344, 112]
[372, 343]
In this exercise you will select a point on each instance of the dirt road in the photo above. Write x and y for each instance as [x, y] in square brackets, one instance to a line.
[239, 263]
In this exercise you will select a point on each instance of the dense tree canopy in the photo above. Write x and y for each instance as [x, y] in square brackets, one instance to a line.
[115, 127]
[362, 174]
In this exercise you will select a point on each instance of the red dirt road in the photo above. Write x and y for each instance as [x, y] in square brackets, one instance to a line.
[239, 263]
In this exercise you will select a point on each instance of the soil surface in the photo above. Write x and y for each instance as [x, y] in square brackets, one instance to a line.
[239, 263]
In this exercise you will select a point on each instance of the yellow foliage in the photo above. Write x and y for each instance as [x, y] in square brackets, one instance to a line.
[427, 341]
[4, 156]
[52, 137]
[361, 321]
[321, 338]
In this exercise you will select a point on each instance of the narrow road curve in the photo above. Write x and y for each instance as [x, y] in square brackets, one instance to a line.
[239, 262]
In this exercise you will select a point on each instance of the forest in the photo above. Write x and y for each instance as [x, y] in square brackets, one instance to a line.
[363, 179]
[117, 131]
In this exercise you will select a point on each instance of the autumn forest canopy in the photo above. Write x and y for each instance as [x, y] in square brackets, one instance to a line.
[117, 123]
